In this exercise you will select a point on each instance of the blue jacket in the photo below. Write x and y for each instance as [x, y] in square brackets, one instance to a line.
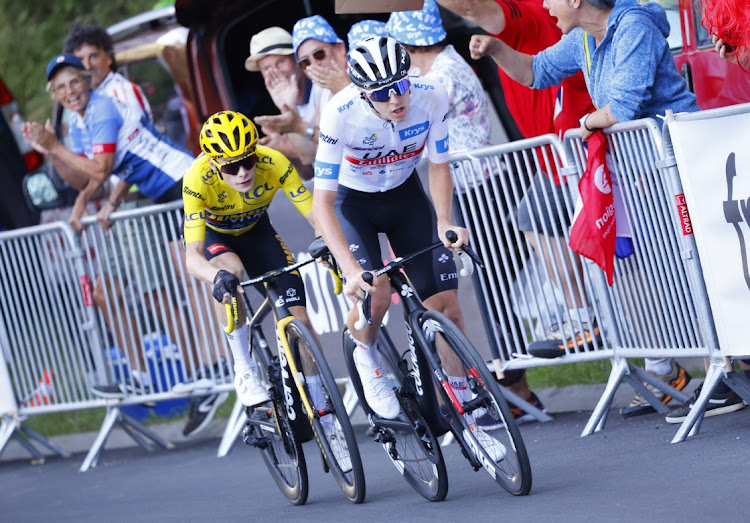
[632, 69]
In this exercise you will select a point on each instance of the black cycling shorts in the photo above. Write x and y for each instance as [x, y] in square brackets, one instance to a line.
[261, 250]
[406, 216]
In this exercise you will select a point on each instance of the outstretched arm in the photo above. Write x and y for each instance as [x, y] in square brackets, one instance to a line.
[517, 65]
[487, 14]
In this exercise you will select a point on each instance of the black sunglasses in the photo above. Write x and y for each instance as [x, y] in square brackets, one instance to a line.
[248, 162]
[319, 55]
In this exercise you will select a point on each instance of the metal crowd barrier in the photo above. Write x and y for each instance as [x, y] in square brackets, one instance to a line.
[522, 297]
[720, 367]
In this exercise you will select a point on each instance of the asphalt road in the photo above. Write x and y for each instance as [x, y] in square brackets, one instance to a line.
[627, 472]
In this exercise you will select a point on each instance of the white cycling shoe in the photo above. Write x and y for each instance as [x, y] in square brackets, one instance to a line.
[250, 390]
[378, 389]
[495, 450]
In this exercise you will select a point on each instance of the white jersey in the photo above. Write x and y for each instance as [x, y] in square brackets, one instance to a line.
[119, 87]
[362, 151]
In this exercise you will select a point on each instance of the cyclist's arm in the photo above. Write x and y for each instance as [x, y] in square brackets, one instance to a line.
[197, 264]
[441, 191]
[325, 216]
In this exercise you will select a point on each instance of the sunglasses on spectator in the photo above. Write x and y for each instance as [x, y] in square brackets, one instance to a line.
[319, 55]
[247, 163]
[384, 94]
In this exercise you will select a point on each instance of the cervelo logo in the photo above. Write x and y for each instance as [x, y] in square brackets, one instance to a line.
[346, 106]
[288, 399]
[414, 362]
[414, 130]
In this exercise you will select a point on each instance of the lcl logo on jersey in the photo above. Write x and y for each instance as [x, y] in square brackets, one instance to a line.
[257, 192]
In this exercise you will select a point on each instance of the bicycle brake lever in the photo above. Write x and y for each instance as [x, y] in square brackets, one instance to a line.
[468, 267]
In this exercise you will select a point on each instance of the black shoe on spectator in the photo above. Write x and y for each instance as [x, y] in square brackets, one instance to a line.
[202, 410]
[719, 403]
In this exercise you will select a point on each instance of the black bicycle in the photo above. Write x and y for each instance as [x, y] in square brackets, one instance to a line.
[481, 422]
[294, 415]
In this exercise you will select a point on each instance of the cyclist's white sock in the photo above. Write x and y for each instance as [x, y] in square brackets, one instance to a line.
[659, 366]
[367, 354]
[239, 341]
[460, 388]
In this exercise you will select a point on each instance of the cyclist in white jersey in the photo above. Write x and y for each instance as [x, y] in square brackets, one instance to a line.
[372, 134]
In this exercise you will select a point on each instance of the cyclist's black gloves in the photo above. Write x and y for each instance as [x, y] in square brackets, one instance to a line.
[224, 282]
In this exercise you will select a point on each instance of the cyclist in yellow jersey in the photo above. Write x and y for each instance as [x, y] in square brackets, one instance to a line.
[226, 193]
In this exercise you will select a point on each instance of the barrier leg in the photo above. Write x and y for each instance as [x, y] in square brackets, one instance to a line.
[640, 388]
[30, 433]
[739, 384]
[7, 427]
[36, 456]
[131, 427]
[234, 427]
[525, 405]
[599, 416]
[692, 423]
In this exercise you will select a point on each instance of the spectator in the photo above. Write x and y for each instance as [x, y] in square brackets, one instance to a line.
[321, 54]
[728, 22]
[94, 46]
[527, 27]
[363, 30]
[100, 128]
[295, 96]
[610, 42]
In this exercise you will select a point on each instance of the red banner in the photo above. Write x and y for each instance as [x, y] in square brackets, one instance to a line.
[594, 231]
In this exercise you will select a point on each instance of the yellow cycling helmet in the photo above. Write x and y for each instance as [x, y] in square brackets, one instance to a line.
[228, 134]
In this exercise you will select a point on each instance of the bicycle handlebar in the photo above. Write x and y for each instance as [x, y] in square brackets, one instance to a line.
[317, 249]
[468, 260]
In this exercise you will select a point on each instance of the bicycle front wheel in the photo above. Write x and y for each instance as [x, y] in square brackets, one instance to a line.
[281, 452]
[408, 441]
[333, 429]
[488, 426]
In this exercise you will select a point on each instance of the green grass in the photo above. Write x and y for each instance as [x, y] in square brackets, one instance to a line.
[588, 373]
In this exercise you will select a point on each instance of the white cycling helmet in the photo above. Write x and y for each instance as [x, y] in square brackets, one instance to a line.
[377, 62]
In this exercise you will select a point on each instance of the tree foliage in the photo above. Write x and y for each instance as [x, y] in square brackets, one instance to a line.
[32, 32]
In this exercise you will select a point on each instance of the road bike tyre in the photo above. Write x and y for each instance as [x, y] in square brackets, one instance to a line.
[421, 464]
[352, 483]
[513, 472]
[284, 457]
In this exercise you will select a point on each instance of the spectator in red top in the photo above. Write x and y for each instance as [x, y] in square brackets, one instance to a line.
[525, 25]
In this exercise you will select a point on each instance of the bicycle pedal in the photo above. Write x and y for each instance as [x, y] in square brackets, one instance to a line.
[251, 439]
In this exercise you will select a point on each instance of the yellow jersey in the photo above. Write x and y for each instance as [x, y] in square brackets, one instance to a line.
[209, 202]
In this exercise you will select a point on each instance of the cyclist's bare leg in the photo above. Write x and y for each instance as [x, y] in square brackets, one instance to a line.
[381, 300]
[446, 302]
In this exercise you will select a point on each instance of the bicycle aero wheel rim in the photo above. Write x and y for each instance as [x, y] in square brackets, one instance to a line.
[285, 459]
[512, 470]
[419, 458]
[342, 444]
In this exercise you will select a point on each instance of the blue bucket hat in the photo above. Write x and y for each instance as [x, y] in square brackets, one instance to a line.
[63, 60]
[363, 30]
[315, 27]
[418, 28]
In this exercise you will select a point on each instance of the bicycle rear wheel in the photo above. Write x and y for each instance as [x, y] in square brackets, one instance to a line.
[282, 453]
[333, 429]
[408, 441]
[488, 427]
